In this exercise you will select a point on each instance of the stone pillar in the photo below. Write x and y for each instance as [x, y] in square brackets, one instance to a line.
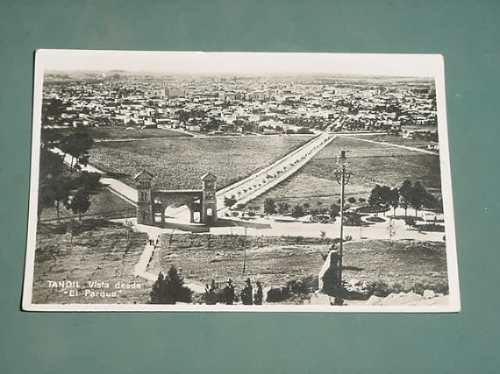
[144, 199]
[208, 199]
[162, 214]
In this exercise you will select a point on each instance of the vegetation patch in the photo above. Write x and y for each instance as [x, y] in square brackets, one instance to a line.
[179, 163]
[98, 258]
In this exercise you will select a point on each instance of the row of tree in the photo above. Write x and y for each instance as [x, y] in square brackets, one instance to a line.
[298, 210]
[407, 195]
[60, 186]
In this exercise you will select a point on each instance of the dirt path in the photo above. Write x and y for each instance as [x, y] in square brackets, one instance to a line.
[397, 146]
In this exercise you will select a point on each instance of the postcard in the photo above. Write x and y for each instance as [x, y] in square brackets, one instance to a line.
[262, 182]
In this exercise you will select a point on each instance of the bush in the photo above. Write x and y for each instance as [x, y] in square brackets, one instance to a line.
[297, 211]
[277, 294]
[229, 201]
[418, 288]
[410, 221]
[352, 219]
[378, 288]
[375, 219]
[170, 289]
[352, 200]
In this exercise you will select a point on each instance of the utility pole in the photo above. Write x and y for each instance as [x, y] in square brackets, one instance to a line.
[342, 177]
[245, 252]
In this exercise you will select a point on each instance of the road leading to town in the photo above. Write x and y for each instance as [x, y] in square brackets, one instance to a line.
[262, 181]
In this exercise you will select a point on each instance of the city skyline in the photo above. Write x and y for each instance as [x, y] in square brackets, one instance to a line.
[244, 63]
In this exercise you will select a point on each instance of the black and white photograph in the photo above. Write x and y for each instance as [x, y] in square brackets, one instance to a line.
[240, 181]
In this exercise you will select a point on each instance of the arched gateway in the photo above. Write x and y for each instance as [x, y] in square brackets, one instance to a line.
[151, 204]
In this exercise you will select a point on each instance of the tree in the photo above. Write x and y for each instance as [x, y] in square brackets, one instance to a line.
[229, 201]
[79, 203]
[376, 199]
[283, 207]
[61, 188]
[432, 202]
[393, 199]
[297, 211]
[405, 192]
[175, 289]
[77, 146]
[334, 210]
[87, 180]
[51, 164]
[46, 198]
[269, 206]
[170, 289]
[417, 196]
[51, 171]
[352, 200]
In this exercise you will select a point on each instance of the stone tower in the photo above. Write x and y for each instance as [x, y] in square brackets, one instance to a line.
[209, 201]
[144, 203]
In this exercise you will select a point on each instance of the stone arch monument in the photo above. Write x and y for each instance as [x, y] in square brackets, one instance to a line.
[151, 203]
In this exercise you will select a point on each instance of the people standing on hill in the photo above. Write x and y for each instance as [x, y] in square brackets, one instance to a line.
[247, 293]
[229, 292]
[257, 299]
[210, 294]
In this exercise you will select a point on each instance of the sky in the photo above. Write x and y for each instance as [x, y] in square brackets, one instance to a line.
[416, 65]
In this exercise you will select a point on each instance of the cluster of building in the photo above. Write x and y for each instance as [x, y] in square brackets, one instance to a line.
[239, 105]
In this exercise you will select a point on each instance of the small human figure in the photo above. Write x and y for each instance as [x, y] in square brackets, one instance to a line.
[247, 294]
[210, 295]
[257, 299]
[229, 292]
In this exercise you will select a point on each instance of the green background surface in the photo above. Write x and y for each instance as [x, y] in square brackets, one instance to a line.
[465, 32]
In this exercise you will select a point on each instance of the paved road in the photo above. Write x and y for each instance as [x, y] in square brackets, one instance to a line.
[258, 183]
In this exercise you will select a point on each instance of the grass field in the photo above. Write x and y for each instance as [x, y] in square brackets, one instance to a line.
[113, 133]
[100, 253]
[402, 265]
[180, 162]
[369, 164]
[396, 139]
[102, 204]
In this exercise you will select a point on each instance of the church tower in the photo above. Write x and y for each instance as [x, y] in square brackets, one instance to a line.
[209, 201]
[144, 203]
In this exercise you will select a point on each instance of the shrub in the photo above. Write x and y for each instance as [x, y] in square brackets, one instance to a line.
[352, 219]
[410, 221]
[229, 201]
[418, 288]
[170, 288]
[378, 288]
[297, 211]
[277, 294]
